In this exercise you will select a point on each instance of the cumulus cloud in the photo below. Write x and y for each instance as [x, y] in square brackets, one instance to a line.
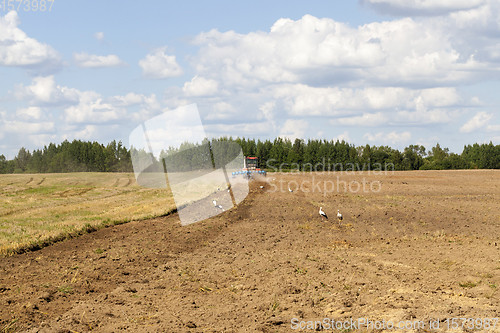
[82, 107]
[91, 109]
[19, 50]
[87, 133]
[85, 60]
[480, 120]
[25, 128]
[367, 119]
[221, 110]
[303, 100]
[160, 66]
[421, 7]
[30, 113]
[320, 51]
[135, 99]
[267, 110]
[422, 117]
[200, 86]
[293, 129]
[44, 91]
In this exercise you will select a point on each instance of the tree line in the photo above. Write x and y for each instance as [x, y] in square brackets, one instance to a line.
[75, 156]
[278, 154]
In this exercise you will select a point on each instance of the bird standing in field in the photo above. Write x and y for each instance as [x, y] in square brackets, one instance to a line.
[322, 213]
[340, 217]
[217, 207]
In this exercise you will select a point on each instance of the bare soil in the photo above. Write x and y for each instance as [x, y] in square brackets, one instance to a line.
[416, 247]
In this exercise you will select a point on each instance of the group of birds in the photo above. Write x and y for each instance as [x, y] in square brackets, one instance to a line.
[321, 212]
[324, 216]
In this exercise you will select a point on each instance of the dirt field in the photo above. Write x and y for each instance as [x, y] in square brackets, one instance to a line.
[417, 247]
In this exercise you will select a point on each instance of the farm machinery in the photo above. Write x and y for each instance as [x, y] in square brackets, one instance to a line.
[250, 168]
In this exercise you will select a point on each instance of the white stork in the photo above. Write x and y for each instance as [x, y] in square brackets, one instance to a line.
[340, 217]
[217, 207]
[322, 213]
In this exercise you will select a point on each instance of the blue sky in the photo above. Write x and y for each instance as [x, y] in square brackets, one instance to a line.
[379, 72]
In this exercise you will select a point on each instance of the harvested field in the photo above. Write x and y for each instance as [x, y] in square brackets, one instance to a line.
[39, 208]
[416, 246]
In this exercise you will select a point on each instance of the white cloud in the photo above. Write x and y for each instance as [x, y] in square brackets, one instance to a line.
[342, 137]
[92, 110]
[99, 36]
[200, 86]
[493, 128]
[221, 110]
[315, 51]
[127, 100]
[40, 140]
[294, 128]
[32, 112]
[393, 137]
[160, 66]
[44, 91]
[367, 119]
[420, 117]
[267, 110]
[87, 133]
[421, 7]
[135, 99]
[17, 49]
[480, 120]
[25, 128]
[87, 107]
[303, 100]
[85, 60]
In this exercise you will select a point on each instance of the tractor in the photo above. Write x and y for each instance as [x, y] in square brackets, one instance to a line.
[250, 168]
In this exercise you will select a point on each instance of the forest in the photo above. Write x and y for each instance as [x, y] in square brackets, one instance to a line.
[279, 154]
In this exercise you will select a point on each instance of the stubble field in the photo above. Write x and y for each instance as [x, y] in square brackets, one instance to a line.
[415, 247]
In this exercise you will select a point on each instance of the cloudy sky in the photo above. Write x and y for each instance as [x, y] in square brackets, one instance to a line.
[382, 72]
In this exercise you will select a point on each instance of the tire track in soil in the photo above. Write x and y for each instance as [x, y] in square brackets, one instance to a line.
[73, 193]
[41, 181]
[65, 203]
[29, 181]
[129, 182]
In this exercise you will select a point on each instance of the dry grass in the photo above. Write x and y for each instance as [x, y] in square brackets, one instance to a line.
[39, 208]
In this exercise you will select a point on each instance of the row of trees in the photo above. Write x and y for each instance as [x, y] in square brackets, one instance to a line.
[76, 156]
[279, 154]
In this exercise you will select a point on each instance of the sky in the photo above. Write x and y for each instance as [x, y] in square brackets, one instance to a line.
[378, 72]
